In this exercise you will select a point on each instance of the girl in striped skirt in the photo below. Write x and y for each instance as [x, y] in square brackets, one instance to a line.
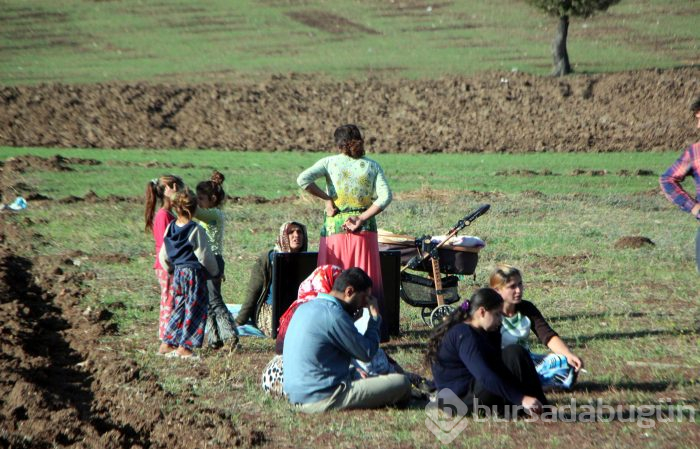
[186, 252]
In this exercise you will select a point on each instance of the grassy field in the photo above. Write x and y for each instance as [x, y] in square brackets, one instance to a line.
[629, 313]
[219, 40]
[273, 175]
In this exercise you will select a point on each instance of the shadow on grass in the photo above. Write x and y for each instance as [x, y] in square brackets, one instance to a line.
[578, 341]
[408, 346]
[590, 316]
[416, 334]
[653, 386]
[413, 339]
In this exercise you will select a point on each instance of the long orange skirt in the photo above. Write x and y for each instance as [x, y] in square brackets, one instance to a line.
[355, 250]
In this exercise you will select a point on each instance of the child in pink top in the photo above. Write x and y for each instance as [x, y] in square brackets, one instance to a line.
[157, 222]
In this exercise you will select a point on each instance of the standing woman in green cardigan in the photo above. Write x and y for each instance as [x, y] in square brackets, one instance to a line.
[356, 191]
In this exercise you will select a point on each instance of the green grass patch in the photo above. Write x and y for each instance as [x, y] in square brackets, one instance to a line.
[273, 175]
[75, 41]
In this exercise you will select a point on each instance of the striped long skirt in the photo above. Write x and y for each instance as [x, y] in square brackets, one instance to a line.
[189, 317]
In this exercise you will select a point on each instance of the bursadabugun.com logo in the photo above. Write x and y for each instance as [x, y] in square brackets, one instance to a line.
[447, 414]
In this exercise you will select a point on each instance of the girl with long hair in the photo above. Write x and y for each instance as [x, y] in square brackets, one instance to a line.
[465, 355]
[157, 191]
[556, 370]
[186, 253]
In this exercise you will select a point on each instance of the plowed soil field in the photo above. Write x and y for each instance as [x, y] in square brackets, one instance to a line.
[514, 112]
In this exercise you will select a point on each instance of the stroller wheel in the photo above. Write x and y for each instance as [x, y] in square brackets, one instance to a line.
[439, 314]
[425, 314]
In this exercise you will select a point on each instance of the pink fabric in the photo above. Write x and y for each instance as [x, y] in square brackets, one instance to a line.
[166, 300]
[160, 222]
[319, 281]
[354, 250]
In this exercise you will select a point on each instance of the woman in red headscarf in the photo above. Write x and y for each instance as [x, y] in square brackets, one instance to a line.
[319, 281]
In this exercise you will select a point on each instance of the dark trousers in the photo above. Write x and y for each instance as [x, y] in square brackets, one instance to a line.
[216, 301]
[519, 369]
[220, 326]
[697, 249]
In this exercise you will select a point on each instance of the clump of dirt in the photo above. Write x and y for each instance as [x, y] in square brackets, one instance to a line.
[582, 172]
[255, 199]
[249, 199]
[633, 242]
[499, 112]
[70, 199]
[113, 258]
[330, 23]
[92, 198]
[20, 164]
[524, 172]
[12, 167]
[637, 172]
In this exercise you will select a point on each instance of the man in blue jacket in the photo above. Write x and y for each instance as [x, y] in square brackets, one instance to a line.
[322, 340]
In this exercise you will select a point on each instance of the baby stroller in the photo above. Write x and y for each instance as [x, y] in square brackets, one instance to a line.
[434, 293]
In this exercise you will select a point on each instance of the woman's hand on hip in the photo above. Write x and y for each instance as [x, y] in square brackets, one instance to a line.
[331, 208]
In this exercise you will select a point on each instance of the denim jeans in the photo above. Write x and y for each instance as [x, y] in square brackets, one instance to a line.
[697, 249]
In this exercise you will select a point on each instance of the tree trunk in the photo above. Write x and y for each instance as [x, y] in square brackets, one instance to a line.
[559, 53]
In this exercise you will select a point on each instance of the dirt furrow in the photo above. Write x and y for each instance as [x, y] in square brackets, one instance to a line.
[62, 387]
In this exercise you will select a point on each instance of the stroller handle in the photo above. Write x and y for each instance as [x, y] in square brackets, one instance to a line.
[461, 224]
[467, 220]
[481, 210]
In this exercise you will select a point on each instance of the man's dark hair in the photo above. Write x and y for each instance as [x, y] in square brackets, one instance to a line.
[354, 277]
[695, 105]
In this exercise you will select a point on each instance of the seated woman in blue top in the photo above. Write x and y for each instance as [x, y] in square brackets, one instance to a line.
[465, 356]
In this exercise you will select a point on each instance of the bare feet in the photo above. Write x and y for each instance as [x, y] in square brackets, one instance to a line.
[182, 353]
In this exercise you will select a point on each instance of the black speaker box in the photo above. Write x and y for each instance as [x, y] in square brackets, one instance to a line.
[290, 269]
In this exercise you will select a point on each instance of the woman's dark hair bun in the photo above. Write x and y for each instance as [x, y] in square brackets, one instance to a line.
[217, 177]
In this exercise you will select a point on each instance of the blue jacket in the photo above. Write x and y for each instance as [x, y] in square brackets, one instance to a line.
[320, 344]
[187, 246]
